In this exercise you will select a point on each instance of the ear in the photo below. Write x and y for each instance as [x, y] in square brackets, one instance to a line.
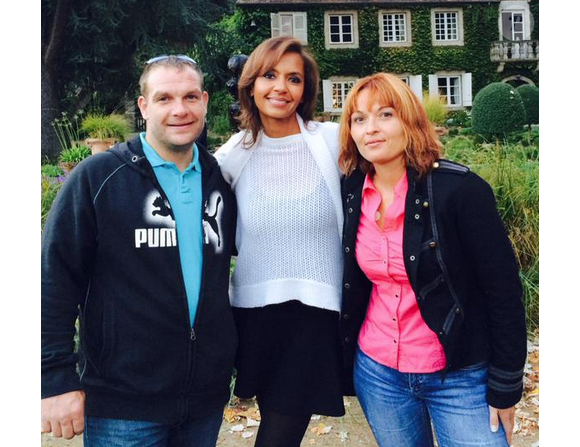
[142, 103]
[205, 97]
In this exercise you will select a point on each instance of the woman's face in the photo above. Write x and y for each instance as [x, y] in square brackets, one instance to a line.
[278, 93]
[377, 132]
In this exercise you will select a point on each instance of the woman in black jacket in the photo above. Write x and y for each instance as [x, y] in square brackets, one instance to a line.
[432, 319]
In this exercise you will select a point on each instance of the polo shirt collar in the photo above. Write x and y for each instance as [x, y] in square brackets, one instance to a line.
[155, 159]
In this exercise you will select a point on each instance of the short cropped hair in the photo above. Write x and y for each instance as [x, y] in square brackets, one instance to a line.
[169, 61]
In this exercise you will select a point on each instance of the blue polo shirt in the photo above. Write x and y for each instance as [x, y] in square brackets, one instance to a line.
[183, 190]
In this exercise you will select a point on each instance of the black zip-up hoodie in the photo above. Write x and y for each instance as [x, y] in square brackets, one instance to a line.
[110, 254]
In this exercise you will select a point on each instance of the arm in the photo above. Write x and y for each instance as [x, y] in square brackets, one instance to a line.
[68, 245]
[485, 242]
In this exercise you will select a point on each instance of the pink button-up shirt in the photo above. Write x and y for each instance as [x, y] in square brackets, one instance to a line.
[393, 332]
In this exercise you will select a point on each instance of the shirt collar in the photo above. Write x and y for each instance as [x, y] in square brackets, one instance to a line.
[400, 188]
[155, 159]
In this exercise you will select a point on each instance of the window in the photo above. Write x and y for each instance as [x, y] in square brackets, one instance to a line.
[453, 88]
[394, 28]
[335, 93]
[447, 27]
[512, 25]
[450, 89]
[291, 24]
[339, 92]
[341, 29]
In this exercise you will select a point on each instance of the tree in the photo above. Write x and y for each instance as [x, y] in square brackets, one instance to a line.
[91, 49]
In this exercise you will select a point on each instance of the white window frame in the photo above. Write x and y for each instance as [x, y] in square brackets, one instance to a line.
[465, 86]
[447, 42]
[515, 6]
[408, 34]
[298, 32]
[354, 29]
[328, 93]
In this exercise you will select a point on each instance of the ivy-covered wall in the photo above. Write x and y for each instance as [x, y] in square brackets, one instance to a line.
[480, 26]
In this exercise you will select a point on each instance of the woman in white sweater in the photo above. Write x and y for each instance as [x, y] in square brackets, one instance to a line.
[286, 286]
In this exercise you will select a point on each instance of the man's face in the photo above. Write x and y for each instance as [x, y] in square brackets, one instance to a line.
[174, 108]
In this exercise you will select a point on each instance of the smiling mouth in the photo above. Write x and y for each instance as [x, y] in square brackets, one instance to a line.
[180, 125]
[278, 101]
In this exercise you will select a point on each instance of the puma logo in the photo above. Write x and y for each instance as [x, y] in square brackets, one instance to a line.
[212, 221]
[164, 210]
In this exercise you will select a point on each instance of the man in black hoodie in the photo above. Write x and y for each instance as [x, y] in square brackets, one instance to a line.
[137, 246]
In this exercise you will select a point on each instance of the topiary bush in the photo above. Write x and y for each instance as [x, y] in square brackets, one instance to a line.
[497, 110]
[531, 98]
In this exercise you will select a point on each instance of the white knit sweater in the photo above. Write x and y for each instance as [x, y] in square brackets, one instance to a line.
[288, 241]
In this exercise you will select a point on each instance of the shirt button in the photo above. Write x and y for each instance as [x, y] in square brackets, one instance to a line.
[394, 341]
[394, 319]
[384, 261]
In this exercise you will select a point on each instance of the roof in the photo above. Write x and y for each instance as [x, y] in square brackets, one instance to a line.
[356, 2]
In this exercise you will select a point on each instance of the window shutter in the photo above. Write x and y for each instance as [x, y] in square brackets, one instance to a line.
[466, 89]
[327, 94]
[300, 27]
[433, 87]
[416, 84]
[275, 24]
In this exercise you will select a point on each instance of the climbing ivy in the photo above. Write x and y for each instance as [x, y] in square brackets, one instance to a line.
[480, 26]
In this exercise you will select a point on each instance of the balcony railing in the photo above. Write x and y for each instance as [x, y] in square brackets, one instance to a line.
[515, 51]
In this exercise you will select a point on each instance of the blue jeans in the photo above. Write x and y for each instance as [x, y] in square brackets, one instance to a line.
[102, 432]
[401, 407]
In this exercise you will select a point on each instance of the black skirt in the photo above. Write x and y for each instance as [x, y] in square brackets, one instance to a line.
[290, 358]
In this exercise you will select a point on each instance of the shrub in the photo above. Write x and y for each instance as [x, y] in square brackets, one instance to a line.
[218, 113]
[435, 108]
[75, 154]
[49, 188]
[51, 171]
[497, 110]
[530, 95]
[106, 126]
[461, 118]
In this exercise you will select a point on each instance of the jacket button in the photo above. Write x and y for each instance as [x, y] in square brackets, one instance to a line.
[346, 285]
[417, 201]
[417, 216]
[436, 164]
[412, 257]
[432, 244]
[425, 204]
[350, 210]
[458, 310]
[347, 339]
[345, 316]
[347, 250]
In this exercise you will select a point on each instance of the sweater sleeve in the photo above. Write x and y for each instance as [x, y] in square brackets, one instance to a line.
[69, 242]
[486, 244]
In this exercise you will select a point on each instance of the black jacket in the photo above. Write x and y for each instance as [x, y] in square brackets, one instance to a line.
[462, 268]
[110, 254]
